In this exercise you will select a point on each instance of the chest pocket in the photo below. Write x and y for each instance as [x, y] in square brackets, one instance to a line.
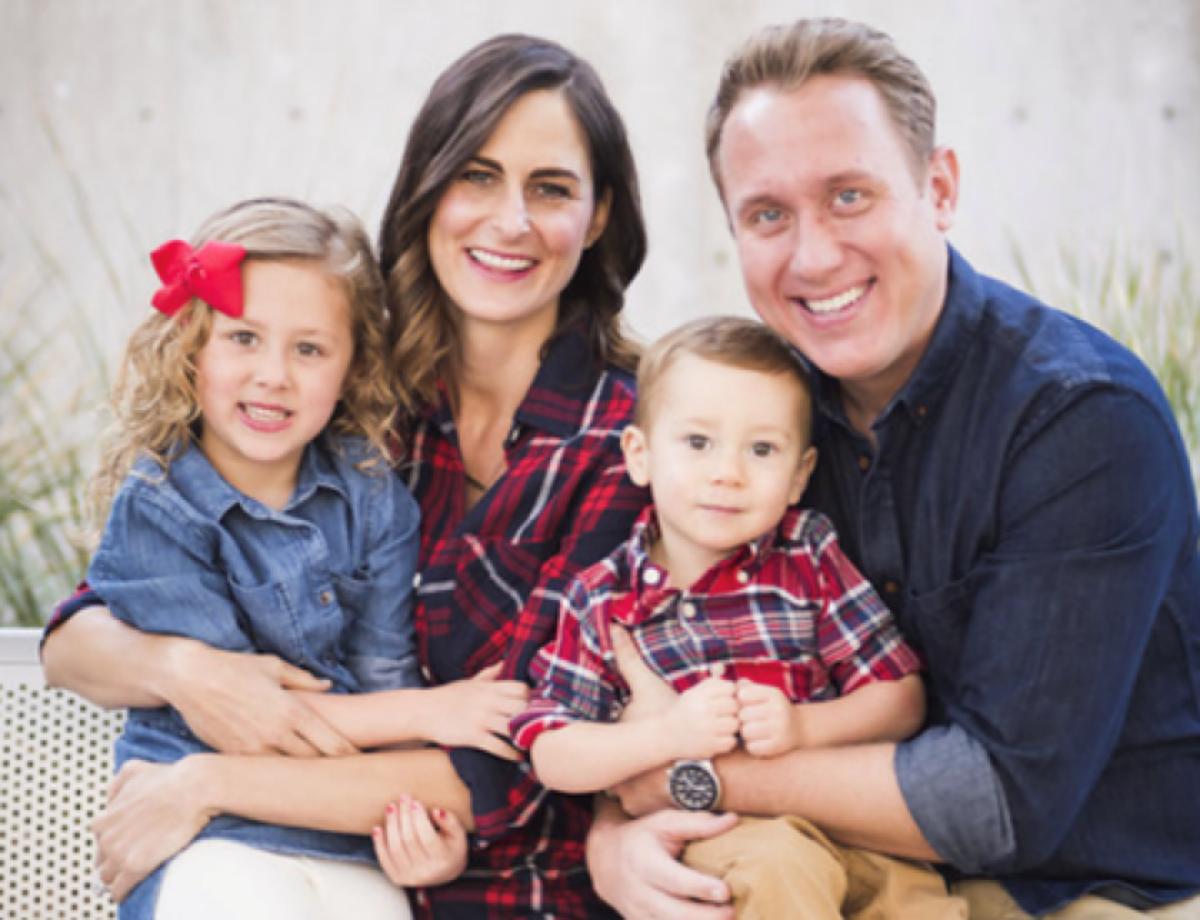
[273, 617]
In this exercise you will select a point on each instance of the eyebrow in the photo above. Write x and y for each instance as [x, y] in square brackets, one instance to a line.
[544, 172]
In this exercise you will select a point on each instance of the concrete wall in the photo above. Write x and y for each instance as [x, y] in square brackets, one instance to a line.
[125, 122]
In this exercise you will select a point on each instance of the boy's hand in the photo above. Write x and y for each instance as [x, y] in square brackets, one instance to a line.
[417, 848]
[703, 722]
[768, 719]
[474, 712]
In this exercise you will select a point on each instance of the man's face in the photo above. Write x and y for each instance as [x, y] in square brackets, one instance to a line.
[841, 243]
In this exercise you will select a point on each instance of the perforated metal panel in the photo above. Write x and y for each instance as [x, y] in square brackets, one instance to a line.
[55, 763]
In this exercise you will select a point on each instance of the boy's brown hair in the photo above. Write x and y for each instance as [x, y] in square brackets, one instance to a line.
[730, 340]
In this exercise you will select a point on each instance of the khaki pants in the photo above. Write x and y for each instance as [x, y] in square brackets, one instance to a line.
[785, 867]
[989, 901]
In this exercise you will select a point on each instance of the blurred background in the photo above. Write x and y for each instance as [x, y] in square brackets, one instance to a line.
[126, 122]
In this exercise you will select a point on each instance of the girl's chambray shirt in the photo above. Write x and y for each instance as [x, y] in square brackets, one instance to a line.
[325, 583]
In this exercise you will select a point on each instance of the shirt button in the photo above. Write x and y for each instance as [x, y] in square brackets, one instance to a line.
[513, 435]
[652, 577]
[688, 610]
[891, 587]
[864, 463]
[326, 598]
[922, 410]
[743, 576]
[417, 580]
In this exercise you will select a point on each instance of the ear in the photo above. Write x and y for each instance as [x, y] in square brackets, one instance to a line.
[599, 218]
[808, 462]
[637, 454]
[942, 182]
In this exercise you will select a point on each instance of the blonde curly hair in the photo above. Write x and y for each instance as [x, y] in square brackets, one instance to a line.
[154, 402]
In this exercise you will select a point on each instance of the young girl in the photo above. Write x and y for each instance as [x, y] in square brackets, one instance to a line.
[255, 511]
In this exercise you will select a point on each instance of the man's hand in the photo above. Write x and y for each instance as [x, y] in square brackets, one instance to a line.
[416, 847]
[153, 812]
[238, 703]
[635, 868]
[474, 712]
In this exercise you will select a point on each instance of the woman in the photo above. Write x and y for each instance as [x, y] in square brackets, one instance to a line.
[513, 228]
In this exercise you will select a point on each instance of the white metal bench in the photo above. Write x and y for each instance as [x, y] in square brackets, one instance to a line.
[55, 763]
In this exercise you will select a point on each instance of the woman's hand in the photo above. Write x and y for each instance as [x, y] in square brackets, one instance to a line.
[238, 703]
[153, 812]
[474, 712]
[417, 847]
[635, 867]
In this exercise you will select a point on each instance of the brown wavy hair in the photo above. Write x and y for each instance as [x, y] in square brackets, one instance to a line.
[154, 403]
[460, 113]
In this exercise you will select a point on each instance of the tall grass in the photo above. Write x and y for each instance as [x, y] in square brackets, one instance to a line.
[47, 425]
[1148, 301]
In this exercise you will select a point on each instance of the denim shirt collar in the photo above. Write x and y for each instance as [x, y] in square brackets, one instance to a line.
[194, 476]
[930, 380]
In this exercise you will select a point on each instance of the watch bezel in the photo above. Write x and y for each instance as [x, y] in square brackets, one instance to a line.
[684, 798]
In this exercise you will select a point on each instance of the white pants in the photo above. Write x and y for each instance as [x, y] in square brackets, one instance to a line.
[221, 878]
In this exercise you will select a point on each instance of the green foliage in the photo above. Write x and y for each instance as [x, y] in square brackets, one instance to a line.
[46, 435]
[1151, 303]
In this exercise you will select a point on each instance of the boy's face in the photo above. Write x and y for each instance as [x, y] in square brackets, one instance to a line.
[725, 452]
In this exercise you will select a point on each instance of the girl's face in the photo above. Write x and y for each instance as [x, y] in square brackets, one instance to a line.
[509, 230]
[268, 382]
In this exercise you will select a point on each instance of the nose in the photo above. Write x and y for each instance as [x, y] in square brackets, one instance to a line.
[512, 214]
[816, 249]
[272, 369]
[727, 467]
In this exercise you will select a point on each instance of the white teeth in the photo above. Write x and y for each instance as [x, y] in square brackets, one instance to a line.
[503, 263]
[837, 302]
[262, 414]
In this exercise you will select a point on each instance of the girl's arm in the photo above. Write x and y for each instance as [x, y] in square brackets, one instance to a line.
[466, 713]
[885, 710]
[234, 702]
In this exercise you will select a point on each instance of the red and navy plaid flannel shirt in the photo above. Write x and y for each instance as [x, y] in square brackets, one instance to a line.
[789, 610]
[490, 585]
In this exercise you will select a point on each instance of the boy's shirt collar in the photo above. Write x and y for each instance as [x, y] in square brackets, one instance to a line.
[647, 581]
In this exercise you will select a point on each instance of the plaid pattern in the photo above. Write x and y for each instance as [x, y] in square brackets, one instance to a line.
[789, 610]
[490, 587]
[491, 584]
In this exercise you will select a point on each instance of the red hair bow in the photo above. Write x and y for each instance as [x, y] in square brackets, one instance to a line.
[212, 273]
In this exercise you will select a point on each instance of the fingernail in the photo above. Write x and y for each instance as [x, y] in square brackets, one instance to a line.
[439, 813]
[376, 831]
[391, 808]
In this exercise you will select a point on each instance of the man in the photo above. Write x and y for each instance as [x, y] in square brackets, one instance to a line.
[1014, 484]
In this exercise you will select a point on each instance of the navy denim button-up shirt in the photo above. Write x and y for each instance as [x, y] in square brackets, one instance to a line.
[1028, 512]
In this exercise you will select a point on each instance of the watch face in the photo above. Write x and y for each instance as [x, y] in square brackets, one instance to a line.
[693, 786]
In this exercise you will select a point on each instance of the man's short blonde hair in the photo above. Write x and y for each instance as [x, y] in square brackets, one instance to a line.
[788, 56]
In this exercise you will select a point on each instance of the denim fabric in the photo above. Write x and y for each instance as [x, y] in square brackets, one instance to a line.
[325, 583]
[1028, 512]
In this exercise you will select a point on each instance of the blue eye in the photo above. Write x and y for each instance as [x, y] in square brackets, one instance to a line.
[767, 216]
[475, 176]
[849, 198]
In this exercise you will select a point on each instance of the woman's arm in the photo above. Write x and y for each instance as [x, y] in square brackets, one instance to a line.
[234, 702]
[155, 810]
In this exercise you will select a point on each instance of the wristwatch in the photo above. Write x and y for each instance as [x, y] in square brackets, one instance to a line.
[693, 785]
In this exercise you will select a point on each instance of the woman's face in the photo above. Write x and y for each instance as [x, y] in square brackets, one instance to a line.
[509, 230]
